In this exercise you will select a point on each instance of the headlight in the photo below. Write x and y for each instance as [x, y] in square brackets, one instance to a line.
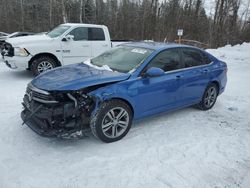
[20, 52]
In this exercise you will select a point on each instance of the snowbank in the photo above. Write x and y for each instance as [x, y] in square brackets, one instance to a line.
[235, 54]
[186, 148]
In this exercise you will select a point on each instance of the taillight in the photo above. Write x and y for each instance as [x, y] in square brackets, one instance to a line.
[223, 64]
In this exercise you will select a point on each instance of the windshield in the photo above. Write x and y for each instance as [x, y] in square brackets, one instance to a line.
[58, 31]
[122, 58]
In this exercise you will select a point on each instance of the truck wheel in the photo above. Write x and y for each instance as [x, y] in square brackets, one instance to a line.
[209, 98]
[42, 64]
[112, 121]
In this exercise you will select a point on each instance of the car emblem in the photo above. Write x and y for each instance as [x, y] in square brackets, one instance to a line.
[30, 96]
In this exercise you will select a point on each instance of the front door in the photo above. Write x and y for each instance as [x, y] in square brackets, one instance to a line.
[158, 94]
[79, 48]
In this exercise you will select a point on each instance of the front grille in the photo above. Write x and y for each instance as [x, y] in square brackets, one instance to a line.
[1, 46]
[38, 95]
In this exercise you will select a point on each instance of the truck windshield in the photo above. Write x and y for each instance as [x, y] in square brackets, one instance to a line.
[122, 58]
[58, 31]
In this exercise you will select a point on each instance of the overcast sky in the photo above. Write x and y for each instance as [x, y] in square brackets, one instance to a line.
[210, 6]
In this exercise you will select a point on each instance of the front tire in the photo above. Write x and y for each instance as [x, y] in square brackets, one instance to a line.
[112, 121]
[209, 98]
[42, 64]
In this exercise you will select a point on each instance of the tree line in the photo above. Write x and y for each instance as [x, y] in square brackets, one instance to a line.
[156, 20]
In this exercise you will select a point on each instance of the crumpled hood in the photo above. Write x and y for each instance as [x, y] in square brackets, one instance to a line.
[75, 77]
[18, 41]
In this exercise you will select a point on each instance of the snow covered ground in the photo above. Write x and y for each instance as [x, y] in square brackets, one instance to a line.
[182, 149]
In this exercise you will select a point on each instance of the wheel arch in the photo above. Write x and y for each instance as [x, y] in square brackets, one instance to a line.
[216, 83]
[43, 55]
[123, 100]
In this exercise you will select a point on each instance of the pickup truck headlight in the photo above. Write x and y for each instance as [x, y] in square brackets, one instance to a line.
[20, 52]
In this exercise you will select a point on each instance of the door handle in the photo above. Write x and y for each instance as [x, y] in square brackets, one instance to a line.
[178, 77]
[104, 45]
[85, 45]
[205, 71]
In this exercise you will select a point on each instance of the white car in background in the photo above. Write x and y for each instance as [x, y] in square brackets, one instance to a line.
[66, 44]
[2, 34]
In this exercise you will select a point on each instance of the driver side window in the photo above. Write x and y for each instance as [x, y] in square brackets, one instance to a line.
[167, 60]
[80, 33]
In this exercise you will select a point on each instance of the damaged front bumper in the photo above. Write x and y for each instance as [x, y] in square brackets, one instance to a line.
[63, 119]
[16, 62]
[12, 61]
[45, 127]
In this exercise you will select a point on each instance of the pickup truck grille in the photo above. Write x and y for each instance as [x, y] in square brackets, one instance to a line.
[1, 46]
[38, 95]
[7, 49]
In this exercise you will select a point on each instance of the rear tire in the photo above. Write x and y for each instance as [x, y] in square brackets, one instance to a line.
[209, 98]
[42, 64]
[112, 121]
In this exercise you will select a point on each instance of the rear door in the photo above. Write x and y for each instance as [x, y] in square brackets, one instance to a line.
[195, 75]
[98, 41]
[78, 49]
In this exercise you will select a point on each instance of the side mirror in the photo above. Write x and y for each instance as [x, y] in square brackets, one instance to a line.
[68, 38]
[154, 72]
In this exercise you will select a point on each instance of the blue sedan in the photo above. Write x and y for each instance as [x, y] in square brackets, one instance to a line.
[129, 82]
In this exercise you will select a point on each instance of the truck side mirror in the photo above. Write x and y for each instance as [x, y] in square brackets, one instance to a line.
[68, 38]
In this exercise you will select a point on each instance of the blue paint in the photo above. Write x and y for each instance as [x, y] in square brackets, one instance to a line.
[75, 77]
[146, 95]
[154, 72]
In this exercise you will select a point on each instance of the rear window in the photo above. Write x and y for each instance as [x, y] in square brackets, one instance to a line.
[192, 57]
[206, 59]
[96, 34]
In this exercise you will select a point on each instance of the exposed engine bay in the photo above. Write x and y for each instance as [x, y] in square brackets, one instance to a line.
[57, 114]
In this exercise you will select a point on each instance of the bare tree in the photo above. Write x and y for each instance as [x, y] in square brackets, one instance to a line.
[134, 20]
[50, 13]
[64, 15]
[81, 9]
[22, 16]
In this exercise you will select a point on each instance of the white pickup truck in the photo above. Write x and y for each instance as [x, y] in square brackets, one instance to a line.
[66, 44]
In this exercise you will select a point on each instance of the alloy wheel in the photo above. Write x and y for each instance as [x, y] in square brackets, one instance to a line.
[115, 122]
[44, 66]
[210, 97]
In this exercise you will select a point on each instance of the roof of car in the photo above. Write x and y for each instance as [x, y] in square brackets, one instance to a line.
[156, 45]
[82, 24]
